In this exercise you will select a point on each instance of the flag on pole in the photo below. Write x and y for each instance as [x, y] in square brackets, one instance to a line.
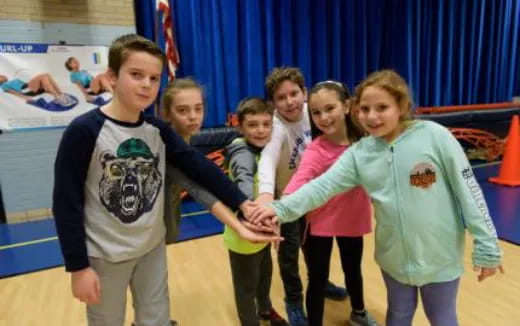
[172, 55]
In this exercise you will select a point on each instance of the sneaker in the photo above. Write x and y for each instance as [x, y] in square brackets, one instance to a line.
[361, 320]
[63, 100]
[296, 315]
[335, 292]
[273, 318]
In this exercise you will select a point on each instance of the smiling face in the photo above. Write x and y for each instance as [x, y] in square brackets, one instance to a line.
[187, 111]
[380, 114]
[257, 128]
[328, 113]
[288, 99]
[138, 80]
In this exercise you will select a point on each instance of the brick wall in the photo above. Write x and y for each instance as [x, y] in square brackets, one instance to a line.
[27, 157]
[98, 12]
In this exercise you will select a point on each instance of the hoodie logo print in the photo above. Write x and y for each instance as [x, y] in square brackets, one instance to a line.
[423, 175]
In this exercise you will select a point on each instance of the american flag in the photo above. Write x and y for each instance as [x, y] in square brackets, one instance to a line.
[172, 55]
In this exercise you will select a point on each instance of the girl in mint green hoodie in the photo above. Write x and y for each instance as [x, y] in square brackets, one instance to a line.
[424, 195]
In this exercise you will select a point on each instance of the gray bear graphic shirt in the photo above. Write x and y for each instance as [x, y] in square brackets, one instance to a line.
[108, 196]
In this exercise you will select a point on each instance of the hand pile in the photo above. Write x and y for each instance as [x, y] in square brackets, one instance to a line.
[261, 223]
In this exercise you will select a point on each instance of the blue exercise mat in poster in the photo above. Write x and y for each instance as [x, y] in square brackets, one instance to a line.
[45, 86]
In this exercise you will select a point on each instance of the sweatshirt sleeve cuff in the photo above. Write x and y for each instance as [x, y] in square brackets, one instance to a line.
[266, 188]
[237, 200]
[279, 211]
[487, 259]
[76, 264]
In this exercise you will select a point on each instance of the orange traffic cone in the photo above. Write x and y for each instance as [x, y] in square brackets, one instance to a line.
[510, 169]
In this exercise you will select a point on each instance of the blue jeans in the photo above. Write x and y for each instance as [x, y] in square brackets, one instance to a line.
[439, 302]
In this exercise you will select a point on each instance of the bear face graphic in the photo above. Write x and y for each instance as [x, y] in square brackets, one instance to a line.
[131, 180]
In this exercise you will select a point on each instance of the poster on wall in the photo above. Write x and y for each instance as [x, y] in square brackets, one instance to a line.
[43, 86]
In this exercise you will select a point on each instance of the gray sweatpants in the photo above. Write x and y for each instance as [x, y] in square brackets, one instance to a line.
[148, 280]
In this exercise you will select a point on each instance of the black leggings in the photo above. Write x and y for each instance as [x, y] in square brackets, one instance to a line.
[317, 255]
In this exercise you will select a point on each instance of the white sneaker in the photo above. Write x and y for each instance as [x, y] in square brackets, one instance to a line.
[64, 100]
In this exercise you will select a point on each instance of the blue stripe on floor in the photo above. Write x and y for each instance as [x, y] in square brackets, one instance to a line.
[30, 258]
[23, 232]
[33, 246]
[199, 226]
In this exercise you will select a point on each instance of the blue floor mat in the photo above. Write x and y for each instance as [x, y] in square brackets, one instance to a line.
[503, 203]
[33, 246]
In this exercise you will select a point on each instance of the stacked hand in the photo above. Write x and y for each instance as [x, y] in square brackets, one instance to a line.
[261, 230]
[261, 219]
[263, 214]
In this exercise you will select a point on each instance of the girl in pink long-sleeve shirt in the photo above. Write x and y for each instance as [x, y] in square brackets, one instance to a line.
[346, 216]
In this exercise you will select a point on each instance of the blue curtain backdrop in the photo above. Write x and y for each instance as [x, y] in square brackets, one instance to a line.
[451, 52]
[149, 24]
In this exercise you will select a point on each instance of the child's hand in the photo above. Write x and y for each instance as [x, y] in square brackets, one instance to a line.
[86, 286]
[264, 198]
[277, 230]
[485, 272]
[267, 226]
[257, 233]
[247, 207]
[261, 213]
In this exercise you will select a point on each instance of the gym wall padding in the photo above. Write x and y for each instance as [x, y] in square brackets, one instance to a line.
[494, 121]
[211, 139]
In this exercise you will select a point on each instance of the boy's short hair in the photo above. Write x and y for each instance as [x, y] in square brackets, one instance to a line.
[123, 45]
[67, 63]
[280, 74]
[253, 105]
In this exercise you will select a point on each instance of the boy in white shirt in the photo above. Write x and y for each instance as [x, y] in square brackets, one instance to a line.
[285, 88]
